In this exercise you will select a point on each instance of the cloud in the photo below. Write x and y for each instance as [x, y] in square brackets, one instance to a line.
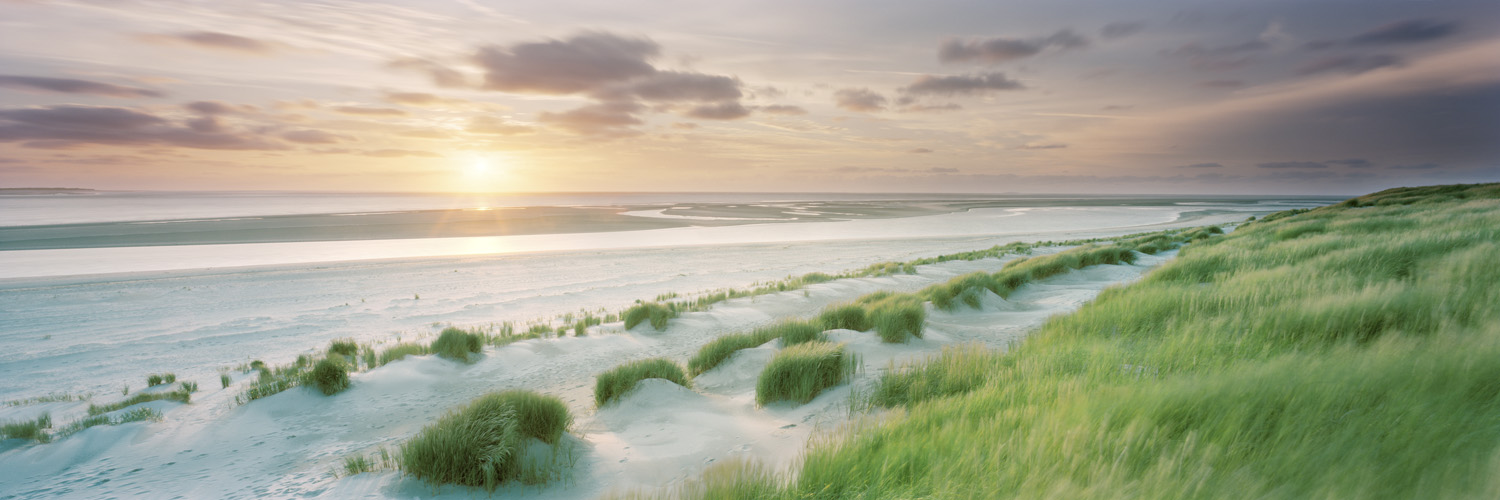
[930, 108]
[1348, 63]
[1352, 162]
[399, 153]
[71, 86]
[602, 119]
[1422, 166]
[212, 40]
[615, 71]
[942, 170]
[367, 111]
[1292, 164]
[920, 150]
[583, 63]
[1039, 145]
[420, 99]
[1222, 84]
[783, 109]
[1406, 31]
[722, 111]
[1440, 108]
[313, 136]
[1121, 29]
[961, 85]
[211, 108]
[67, 125]
[861, 100]
[673, 86]
[1217, 58]
[1202, 165]
[495, 126]
[442, 75]
[999, 50]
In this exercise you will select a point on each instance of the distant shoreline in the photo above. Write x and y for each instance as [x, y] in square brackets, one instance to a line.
[44, 191]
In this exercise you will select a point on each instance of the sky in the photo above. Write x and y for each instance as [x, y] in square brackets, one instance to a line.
[1059, 96]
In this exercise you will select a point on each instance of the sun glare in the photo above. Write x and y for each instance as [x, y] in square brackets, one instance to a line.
[480, 167]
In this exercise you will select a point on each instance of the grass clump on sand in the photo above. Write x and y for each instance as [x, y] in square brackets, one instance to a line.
[482, 444]
[401, 351]
[898, 318]
[133, 415]
[620, 379]
[34, 430]
[457, 343]
[156, 379]
[791, 332]
[343, 347]
[225, 380]
[800, 372]
[181, 396]
[330, 375]
[844, 316]
[654, 312]
[1357, 361]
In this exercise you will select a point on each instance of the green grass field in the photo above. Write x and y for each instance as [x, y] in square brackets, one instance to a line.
[1350, 351]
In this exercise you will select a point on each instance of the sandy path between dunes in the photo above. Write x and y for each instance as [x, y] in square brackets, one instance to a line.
[288, 444]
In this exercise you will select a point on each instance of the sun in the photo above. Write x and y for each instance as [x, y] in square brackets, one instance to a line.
[480, 167]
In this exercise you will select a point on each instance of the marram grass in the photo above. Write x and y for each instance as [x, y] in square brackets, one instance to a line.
[791, 332]
[621, 379]
[800, 372]
[650, 312]
[482, 444]
[457, 344]
[1357, 360]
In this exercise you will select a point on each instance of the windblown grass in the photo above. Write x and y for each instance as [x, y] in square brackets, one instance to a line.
[791, 332]
[330, 375]
[654, 312]
[125, 417]
[898, 318]
[401, 351]
[34, 430]
[457, 343]
[180, 396]
[481, 444]
[800, 372]
[343, 347]
[1354, 361]
[844, 316]
[156, 379]
[620, 379]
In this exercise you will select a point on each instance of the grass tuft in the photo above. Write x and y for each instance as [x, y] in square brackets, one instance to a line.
[800, 372]
[401, 351]
[456, 344]
[898, 318]
[330, 375]
[654, 312]
[620, 379]
[180, 396]
[481, 444]
[844, 316]
[34, 430]
[791, 332]
[343, 347]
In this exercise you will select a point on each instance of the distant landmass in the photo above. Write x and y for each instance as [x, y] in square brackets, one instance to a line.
[46, 190]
